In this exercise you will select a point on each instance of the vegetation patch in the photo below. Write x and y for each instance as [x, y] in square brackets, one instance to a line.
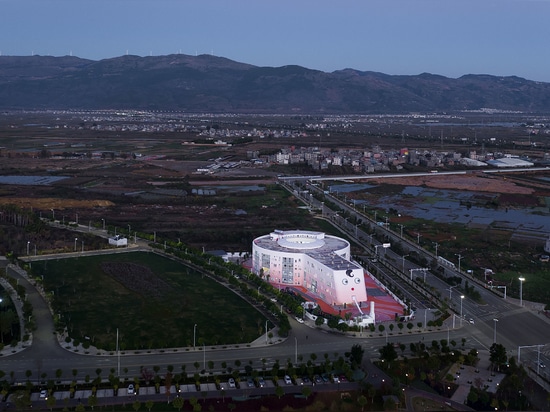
[152, 301]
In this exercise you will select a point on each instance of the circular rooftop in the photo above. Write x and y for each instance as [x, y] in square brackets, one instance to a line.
[300, 242]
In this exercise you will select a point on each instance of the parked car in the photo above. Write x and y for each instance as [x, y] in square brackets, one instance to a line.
[261, 382]
[300, 320]
[131, 390]
[43, 394]
[250, 382]
[306, 380]
[542, 365]
[317, 379]
[325, 378]
[287, 379]
[471, 321]
[231, 383]
[335, 379]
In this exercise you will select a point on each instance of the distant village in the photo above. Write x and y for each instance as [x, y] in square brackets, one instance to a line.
[375, 160]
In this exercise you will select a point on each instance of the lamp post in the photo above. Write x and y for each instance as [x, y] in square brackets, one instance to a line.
[451, 291]
[266, 332]
[403, 263]
[75, 239]
[521, 280]
[425, 312]
[194, 335]
[82, 246]
[129, 229]
[401, 226]
[295, 350]
[53, 214]
[436, 245]
[461, 299]
[103, 220]
[495, 330]
[459, 259]
[259, 291]
[28, 245]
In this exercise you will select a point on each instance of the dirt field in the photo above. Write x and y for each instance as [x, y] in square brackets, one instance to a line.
[473, 182]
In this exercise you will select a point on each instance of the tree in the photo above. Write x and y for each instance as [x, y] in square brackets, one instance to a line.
[279, 391]
[306, 391]
[356, 356]
[50, 402]
[362, 401]
[178, 403]
[388, 353]
[497, 355]
[149, 405]
[92, 401]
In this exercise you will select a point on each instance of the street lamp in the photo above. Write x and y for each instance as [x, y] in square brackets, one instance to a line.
[295, 350]
[103, 220]
[53, 214]
[521, 280]
[425, 312]
[403, 265]
[495, 331]
[451, 291]
[75, 239]
[28, 245]
[194, 335]
[459, 259]
[461, 299]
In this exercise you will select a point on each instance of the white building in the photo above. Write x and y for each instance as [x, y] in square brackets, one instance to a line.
[312, 260]
[118, 241]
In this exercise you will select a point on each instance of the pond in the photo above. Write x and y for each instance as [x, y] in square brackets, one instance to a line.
[453, 206]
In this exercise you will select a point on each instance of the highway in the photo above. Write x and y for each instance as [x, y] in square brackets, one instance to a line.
[516, 325]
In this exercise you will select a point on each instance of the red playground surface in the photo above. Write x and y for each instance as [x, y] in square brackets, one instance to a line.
[385, 306]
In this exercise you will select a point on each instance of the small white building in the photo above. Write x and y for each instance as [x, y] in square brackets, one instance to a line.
[118, 241]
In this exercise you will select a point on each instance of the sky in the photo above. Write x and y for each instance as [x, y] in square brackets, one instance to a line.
[399, 37]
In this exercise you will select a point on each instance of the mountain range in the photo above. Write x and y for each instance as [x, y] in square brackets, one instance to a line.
[208, 83]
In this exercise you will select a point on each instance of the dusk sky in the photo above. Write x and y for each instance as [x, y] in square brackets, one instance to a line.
[447, 37]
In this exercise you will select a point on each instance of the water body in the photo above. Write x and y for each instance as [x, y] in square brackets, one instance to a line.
[31, 180]
[451, 206]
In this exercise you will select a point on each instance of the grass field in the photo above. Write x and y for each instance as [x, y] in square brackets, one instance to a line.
[154, 302]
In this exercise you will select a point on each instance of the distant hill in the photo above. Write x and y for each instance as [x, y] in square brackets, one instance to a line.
[214, 84]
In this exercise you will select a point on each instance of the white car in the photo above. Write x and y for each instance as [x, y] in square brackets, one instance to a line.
[288, 381]
[43, 394]
[542, 365]
[231, 382]
[131, 390]
[300, 320]
[471, 321]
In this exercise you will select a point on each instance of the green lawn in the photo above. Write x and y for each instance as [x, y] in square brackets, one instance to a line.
[154, 309]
